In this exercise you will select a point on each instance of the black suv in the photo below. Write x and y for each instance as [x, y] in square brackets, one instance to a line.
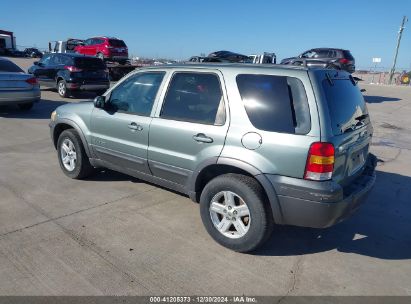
[71, 72]
[33, 53]
[324, 58]
[226, 56]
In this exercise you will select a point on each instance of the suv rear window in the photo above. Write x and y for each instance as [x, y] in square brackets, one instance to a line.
[89, 63]
[116, 43]
[345, 104]
[8, 66]
[348, 55]
[275, 103]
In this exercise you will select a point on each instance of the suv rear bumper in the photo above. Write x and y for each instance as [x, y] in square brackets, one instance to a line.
[87, 85]
[321, 204]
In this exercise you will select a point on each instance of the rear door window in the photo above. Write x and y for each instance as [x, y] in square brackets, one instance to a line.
[275, 103]
[8, 66]
[323, 54]
[194, 97]
[346, 105]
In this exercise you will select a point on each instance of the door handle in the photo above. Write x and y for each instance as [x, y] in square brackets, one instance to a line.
[135, 127]
[201, 137]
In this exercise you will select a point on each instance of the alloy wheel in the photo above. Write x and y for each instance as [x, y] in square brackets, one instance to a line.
[230, 214]
[68, 155]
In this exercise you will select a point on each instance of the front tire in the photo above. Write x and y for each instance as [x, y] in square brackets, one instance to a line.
[62, 89]
[100, 56]
[72, 157]
[235, 212]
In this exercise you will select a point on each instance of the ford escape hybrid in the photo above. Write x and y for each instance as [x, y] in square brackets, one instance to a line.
[254, 145]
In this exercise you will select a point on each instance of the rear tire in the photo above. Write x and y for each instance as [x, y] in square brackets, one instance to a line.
[72, 157]
[224, 204]
[25, 106]
[62, 89]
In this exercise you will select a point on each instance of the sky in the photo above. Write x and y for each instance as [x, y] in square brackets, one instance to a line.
[180, 29]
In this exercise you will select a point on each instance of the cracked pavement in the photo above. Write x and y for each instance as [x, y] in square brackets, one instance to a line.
[115, 235]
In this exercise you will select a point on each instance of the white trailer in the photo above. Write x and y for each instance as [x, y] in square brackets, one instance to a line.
[66, 46]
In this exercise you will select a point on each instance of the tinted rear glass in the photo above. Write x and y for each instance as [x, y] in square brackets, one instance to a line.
[275, 103]
[117, 43]
[348, 55]
[90, 63]
[345, 104]
[8, 66]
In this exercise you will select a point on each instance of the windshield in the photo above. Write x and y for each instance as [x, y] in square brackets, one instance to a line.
[346, 105]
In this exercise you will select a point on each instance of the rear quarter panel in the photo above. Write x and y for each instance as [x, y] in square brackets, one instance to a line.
[279, 153]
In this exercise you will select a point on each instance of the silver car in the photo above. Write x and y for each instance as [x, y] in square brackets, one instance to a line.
[16, 86]
[255, 145]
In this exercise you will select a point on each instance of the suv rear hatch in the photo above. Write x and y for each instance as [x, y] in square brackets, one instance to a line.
[348, 60]
[346, 123]
[118, 47]
[92, 68]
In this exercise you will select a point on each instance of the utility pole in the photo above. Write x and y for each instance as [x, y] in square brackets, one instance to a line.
[404, 19]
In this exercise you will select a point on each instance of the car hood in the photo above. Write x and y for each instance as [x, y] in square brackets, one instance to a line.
[81, 108]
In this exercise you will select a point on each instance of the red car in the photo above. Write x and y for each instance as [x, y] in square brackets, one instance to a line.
[106, 48]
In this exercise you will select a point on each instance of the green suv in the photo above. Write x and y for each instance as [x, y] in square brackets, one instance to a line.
[254, 145]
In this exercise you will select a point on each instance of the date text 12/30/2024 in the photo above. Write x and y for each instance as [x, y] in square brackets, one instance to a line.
[202, 299]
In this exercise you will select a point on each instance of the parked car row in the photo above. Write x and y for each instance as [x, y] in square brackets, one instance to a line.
[28, 52]
[330, 58]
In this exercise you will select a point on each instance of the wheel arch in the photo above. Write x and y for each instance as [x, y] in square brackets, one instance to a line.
[219, 166]
[65, 124]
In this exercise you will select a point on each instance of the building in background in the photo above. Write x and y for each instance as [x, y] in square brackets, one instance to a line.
[7, 40]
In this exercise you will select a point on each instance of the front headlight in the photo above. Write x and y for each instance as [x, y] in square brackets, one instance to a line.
[53, 116]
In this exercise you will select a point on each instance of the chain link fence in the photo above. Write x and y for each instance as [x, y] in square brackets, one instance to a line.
[381, 75]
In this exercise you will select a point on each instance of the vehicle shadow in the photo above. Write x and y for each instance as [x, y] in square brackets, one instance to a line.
[381, 228]
[379, 99]
[107, 175]
[75, 95]
[40, 110]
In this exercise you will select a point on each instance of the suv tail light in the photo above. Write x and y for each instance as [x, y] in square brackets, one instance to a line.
[72, 68]
[344, 61]
[32, 81]
[320, 162]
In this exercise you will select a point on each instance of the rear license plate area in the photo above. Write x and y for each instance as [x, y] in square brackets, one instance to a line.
[357, 160]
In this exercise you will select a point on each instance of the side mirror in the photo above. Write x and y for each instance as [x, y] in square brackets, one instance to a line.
[100, 102]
